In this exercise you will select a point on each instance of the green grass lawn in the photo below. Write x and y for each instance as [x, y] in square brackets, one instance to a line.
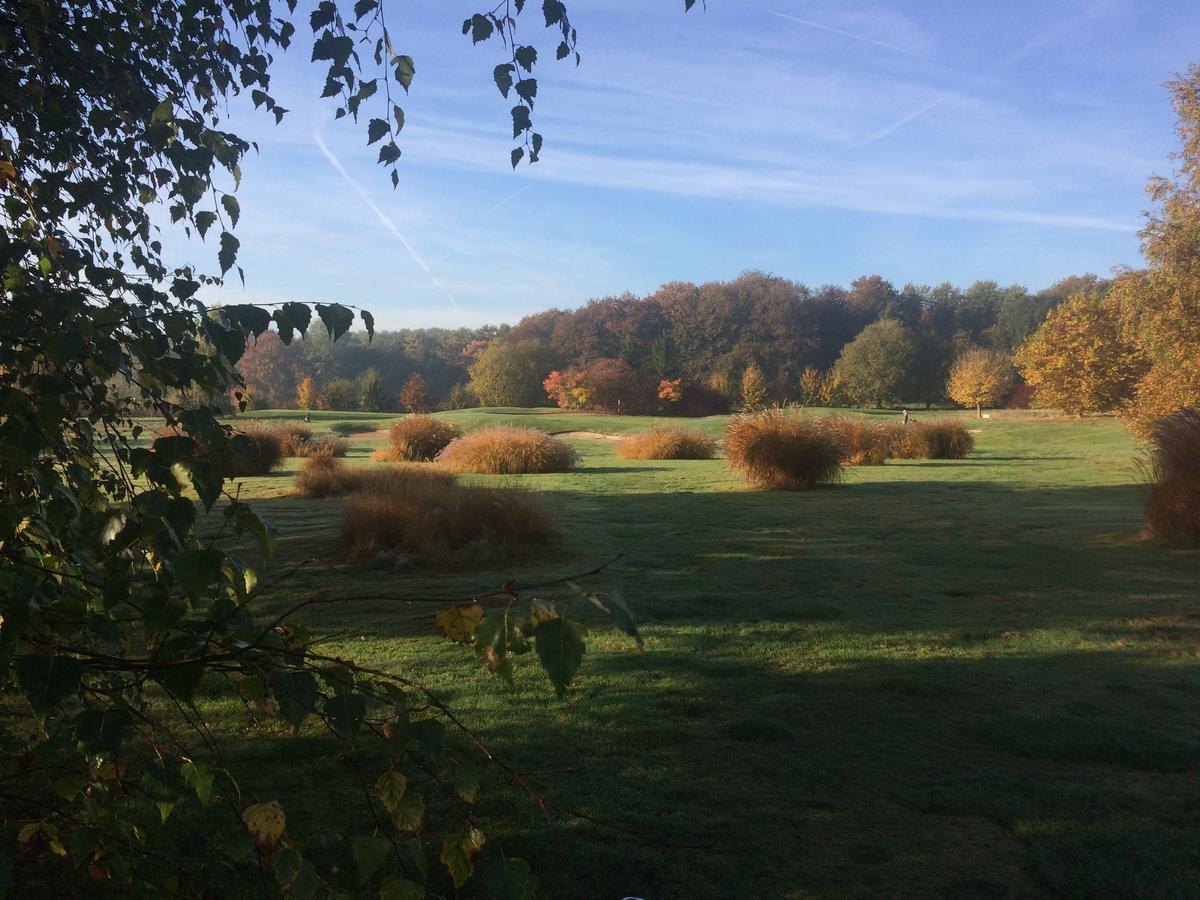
[961, 678]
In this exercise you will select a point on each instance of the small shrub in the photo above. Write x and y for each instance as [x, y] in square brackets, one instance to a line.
[774, 449]
[939, 439]
[508, 450]
[320, 457]
[663, 442]
[866, 443]
[294, 437]
[429, 519]
[419, 438]
[255, 450]
[1173, 485]
[327, 445]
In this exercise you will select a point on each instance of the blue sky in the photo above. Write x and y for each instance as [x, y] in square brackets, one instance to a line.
[819, 140]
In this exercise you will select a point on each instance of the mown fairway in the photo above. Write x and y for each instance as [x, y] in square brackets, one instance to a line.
[960, 678]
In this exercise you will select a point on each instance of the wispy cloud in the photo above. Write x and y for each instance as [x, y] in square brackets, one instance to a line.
[384, 219]
[846, 34]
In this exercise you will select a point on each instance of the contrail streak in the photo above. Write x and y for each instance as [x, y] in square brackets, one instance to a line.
[849, 34]
[384, 219]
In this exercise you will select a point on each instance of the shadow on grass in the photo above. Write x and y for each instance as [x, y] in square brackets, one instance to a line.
[914, 687]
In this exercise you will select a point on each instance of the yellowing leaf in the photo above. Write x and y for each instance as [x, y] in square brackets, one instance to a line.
[265, 822]
[391, 787]
[458, 853]
[458, 622]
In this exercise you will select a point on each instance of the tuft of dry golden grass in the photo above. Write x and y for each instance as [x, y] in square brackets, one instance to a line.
[418, 438]
[667, 442]
[508, 450]
[320, 478]
[936, 439]
[865, 443]
[432, 520]
[1173, 483]
[421, 514]
[775, 449]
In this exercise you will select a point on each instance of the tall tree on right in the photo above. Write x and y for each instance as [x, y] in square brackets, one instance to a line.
[1078, 361]
[1160, 308]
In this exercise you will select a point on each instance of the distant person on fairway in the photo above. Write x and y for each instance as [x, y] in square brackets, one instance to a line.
[904, 413]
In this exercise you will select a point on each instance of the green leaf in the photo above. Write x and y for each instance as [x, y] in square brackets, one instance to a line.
[481, 28]
[458, 854]
[204, 221]
[614, 605]
[362, 7]
[253, 318]
[369, 854]
[409, 812]
[397, 888]
[398, 114]
[199, 779]
[526, 56]
[377, 129]
[516, 155]
[563, 51]
[527, 89]
[553, 10]
[336, 317]
[48, 678]
[560, 647]
[295, 692]
[521, 120]
[164, 112]
[228, 254]
[346, 713]
[103, 730]
[502, 75]
[232, 208]
[286, 862]
[198, 474]
[198, 568]
[391, 788]
[368, 323]
[180, 680]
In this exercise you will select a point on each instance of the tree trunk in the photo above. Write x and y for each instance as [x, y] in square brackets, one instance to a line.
[979, 410]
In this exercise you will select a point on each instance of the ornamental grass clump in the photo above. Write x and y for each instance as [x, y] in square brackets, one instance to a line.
[939, 439]
[294, 437]
[1173, 482]
[508, 450]
[417, 518]
[419, 438]
[322, 477]
[864, 443]
[667, 442]
[775, 449]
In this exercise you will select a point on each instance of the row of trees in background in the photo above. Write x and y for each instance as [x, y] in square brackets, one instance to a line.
[1131, 344]
[686, 348]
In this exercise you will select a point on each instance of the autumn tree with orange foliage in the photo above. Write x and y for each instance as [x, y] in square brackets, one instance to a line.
[307, 395]
[1160, 308]
[979, 378]
[1079, 361]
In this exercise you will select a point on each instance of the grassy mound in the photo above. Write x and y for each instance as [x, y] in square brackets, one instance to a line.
[323, 477]
[667, 442]
[418, 438]
[773, 449]
[938, 439]
[508, 450]
[1173, 486]
[345, 429]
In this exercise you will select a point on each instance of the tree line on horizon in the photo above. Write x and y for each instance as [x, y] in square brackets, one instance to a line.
[685, 348]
